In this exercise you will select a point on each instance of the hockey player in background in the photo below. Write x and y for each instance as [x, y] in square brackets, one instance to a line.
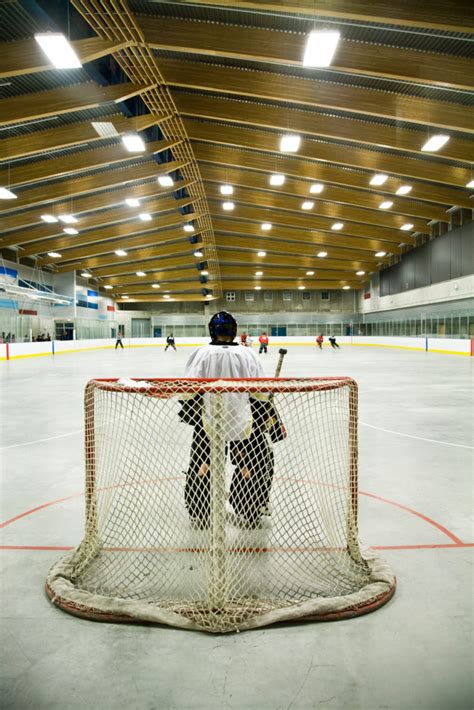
[320, 341]
[332, 340]
[170, 342]
[243, 338]
[263, 340]
[246, 423]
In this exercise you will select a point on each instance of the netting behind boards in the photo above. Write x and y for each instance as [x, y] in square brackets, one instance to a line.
[220, 505]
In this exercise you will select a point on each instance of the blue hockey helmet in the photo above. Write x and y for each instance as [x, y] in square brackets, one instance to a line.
[222, 323]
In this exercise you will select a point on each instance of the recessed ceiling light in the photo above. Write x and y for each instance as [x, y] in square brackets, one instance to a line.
[108, 287]
[204, 272]
[316, 188]
[404, 190]
[70, 230]
[166, 181]
[104, 129]
[301, 288]
[379, 179]
[277, 179]
[345, 288]
[124, 295]
[54, 254]
[320, 48]
[133, 143]
[265, 226]
[140, 273]
[470, 183]
[307, 205]
[68, 218]
[155, 285]
[258, 288]
[322, 254]
[259, 273]
[290, 143]
[435, 143]
[226, 190]
[360, 273]
[132, 202]
[145, 216]
[58, 50]
[85, 275]
[310, 273]
[166, 295]
[6, 194]
[337, 225]
[228, 206]
[188, 228]
[208, 295]
[261, 253]
[120, 252]
[406, 227]
[198, 254]
[380, 253]
[49, 218]
[385, 205]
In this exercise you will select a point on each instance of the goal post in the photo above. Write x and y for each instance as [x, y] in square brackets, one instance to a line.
[221, 505]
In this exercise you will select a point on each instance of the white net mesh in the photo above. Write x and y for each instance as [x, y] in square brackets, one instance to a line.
[220, 505]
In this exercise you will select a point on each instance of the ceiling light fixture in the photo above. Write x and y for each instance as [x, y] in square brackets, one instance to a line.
[132, 202]
[258, 288]
[385, 205]
[226, 190]
[209, 295]
[70, 230]
[120, 252]
[290, 143]
[108, 287]
[228, 206]
[68, 218]
[58, 50]
[188, 228]
[307, 205]
[54, 254]
[261, 253]
[337, 226]
[198, 254]
[145, 216]
[104, 129]
[140, 273]
[407, 227]
[322, 254]
[380, 253]
[49, 218]
[166, 295]
[155, 285]
[259, 273]
[320, 48]
[133, 143]
[166, 181]
[277, 179]
[435, 143]
[470, 183]
[404, 190]
[316, 188]
[301, 288]
[345, 288]
[265, 226]
[124, 295]
[6, 194]
[204, 272]
[360, 273]
[85, 275]
[310, 273]
[379, 179]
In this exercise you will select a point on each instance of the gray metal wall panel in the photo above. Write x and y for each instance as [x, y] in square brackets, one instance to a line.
[441, 259]
[385, 281]
[422, 266]
[467, 250]
[455, 243]
[407, 272]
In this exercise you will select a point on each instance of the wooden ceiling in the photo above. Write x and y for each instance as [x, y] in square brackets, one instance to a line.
[211, 87]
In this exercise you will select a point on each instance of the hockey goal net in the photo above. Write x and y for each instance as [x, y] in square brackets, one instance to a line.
[220, 505]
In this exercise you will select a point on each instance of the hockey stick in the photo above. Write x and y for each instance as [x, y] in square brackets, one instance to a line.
[277, 428]
[282, 352]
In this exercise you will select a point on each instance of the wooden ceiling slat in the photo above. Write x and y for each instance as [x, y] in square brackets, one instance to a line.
[324, 162]
[110, 260]
[108, 239]
[188, 284]
[67, 99]
[277, 257]
[26, 56]
[95, 202]
[311, 93]
[113, 273]
[176, 298]
[97, 184]
[295, 242]
[269, 285]
[243, 193]
[275, 47]
[40, 237]
[331, 193]
[70, 135]
[447, 15]
[77, 162]
[276, 119]
[290, 271]
[388, 237]
[153, 276]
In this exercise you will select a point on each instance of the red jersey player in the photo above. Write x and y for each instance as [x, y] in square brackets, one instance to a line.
[243, 339]
[320, 341]
[263, 340]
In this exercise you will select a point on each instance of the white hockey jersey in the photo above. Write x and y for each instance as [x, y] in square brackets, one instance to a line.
[226, 360]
